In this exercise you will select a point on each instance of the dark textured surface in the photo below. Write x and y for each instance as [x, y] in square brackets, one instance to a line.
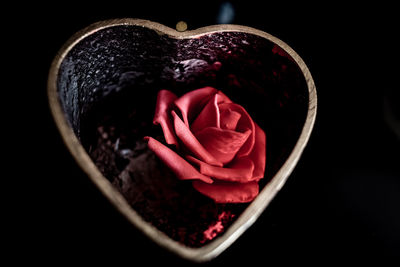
[108, 62]
[108, 86]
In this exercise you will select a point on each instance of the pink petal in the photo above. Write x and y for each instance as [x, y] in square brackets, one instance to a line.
[182, 169]
[229, 119]
[245, 122]
[258, 155]
[191, 142]
[223, 98]
[227, 192]
[191, 103]
[208, 117]
[239, 170]
[222, 144]
[165, 101]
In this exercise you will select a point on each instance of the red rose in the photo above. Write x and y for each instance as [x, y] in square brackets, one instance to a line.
[217, 144]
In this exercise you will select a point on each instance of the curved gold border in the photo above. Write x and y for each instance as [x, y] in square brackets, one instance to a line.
[247, 218]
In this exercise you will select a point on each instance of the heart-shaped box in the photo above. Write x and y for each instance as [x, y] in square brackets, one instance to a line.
[126, 61]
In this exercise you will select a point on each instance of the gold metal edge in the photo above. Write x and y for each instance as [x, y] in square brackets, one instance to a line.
[247, 218]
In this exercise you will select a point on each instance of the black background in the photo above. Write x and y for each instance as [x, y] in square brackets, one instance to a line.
[342, 202]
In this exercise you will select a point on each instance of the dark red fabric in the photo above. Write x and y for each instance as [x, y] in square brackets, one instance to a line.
[218, 145]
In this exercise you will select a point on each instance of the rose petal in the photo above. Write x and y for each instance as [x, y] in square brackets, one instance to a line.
[190, 104]
[222, 144]
[165, 100]
[229, 119]
[239, 170]
[245, 122]
[223, 98]
[208, 117]
[258, 155]
[228, 192]
[191, 142]
[182, 169]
